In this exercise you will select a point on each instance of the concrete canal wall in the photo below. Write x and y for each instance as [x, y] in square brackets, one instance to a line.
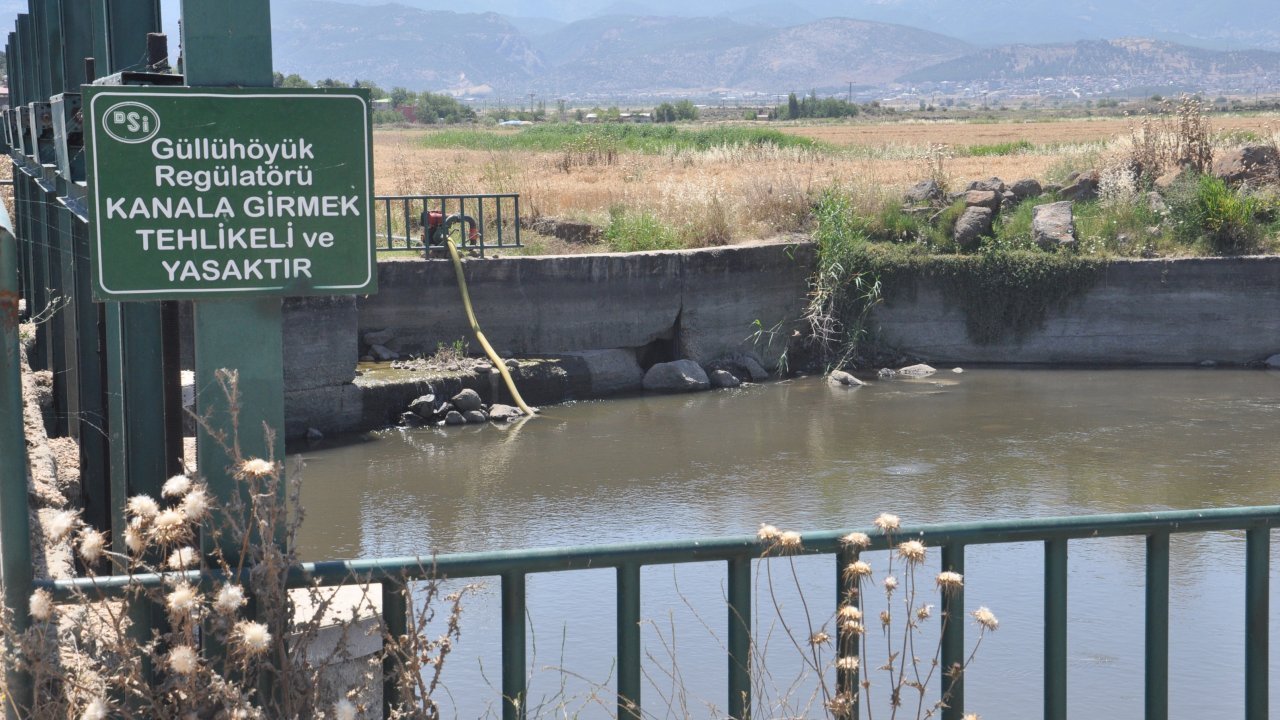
[703, 304]
[657, 306]
[1135, 312]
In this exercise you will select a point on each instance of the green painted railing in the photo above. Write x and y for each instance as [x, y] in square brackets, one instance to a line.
[737, 552]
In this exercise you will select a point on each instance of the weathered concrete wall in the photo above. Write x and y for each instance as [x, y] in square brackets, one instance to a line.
[321, 347]
[705, 300]
[1184, 311]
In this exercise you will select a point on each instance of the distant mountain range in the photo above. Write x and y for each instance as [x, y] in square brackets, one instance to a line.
[610, 48]
[632, 55]
[1224, 24]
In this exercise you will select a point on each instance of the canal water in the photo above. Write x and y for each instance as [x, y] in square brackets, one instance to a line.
[982, 444]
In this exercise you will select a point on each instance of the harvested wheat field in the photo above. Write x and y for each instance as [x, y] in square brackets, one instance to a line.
[746, 193]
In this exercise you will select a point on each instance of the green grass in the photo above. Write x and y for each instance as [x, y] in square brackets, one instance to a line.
[559, 137]
[1004, 148]
[631, 231]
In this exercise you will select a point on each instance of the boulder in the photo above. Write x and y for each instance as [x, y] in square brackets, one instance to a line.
[611, 371]
[723, 379]
[886, 373]
[744, 366]
[1156, 203]
[1053, 225]
[424, 405]
[571, 231]
[475, 417]
[411, 419]
[1250, 163]
[917, 371]
[972, 225]
[1273, 362]
[991, 184]
[840, 377]
[1083, 188]
[503, 413]
[466, 401]
[678, 376]
[1008, 200]
[983, 198]
[454, 418]
[1026, 188]
[382, 353]
[379, 337]
[314, 435]
[925, 191]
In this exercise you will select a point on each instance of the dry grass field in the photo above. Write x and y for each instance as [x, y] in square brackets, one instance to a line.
[742, 194]
[962, 134]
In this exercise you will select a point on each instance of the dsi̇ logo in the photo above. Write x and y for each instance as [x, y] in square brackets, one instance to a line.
[131, 122]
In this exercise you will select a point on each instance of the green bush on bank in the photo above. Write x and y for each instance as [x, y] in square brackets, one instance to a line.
[632, 231]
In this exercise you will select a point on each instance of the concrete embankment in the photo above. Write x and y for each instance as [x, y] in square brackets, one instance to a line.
[1133, 312]
[649, 307]
[593, 321]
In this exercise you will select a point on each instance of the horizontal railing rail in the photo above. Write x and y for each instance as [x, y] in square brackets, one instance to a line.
[738, 552]
[484, 222]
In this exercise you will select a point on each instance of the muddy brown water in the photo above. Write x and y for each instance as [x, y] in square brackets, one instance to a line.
[985, 444]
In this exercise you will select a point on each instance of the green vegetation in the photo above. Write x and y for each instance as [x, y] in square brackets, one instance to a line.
[683, 110]
[1004, 148]
[1217, 218]
[815, 107]
[630, 231]
[563, 137]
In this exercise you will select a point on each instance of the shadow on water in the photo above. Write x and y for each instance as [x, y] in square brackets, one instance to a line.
[989, 443]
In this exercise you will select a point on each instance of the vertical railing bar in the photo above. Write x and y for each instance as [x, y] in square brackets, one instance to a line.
[629, 642]
[513, 646]
[408, 233]
[517, 214]
[847, 640]
[387, 214]
[739, 582]
[15, 550]
[953, 636]
[1257, 593]
[1157, 628]
[1055, 629]
[498, 212]
[484, 237]
[395, 614]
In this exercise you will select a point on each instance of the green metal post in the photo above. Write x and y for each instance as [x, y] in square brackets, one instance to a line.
[129, 21]
[1257, 594]
[1055, 629]
[134, 373]
[513, 646]
[1157, 630]
[49, 216]
[740, 638]
[847, 643]
[15, 530]
[225, 43]
[953, 635]
[101, 22]
[629, 642]
[395, 612]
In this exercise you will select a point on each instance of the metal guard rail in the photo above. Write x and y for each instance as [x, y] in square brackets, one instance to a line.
[490, 224]
[738, 552]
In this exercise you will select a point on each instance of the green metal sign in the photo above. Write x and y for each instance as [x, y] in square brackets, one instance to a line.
[206, 193]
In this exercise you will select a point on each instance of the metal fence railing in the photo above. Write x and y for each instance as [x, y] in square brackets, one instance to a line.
[738, 552]
[483, 223]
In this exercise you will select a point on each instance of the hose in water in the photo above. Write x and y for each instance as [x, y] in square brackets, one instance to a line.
[475, 328]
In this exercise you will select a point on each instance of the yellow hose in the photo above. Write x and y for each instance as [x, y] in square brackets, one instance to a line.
[475, 328]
